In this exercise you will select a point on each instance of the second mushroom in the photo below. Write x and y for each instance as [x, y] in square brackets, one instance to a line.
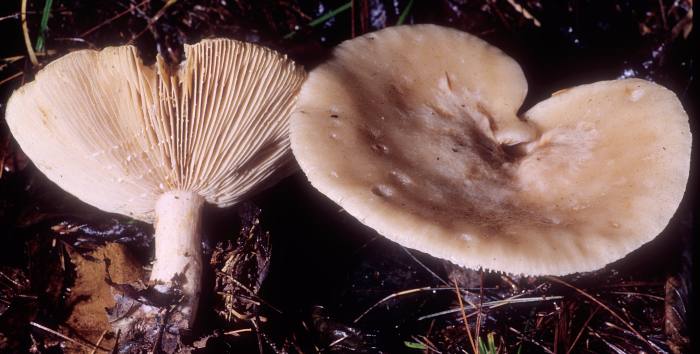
[414, 131]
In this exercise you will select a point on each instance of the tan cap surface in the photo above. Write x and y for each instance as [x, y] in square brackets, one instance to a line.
[408, 130]
[118, 134]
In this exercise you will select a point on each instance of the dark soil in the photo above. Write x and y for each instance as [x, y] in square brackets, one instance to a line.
[310, 278]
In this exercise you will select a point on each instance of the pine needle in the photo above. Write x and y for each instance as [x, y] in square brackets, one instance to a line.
[464, 317]
[606, 308]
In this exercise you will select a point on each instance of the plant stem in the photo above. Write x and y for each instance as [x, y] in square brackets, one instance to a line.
[179, 246]
[25, 31]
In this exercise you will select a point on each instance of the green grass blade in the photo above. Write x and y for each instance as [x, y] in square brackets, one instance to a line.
[330, 14]
[404, 13]
[481, 347]
[414, 345]
[323, 18]
[492, 342]
[44, 25]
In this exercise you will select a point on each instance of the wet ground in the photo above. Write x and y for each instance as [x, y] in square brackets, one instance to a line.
[318, 278]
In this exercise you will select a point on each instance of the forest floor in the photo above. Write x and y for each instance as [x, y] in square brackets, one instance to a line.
[315, 279]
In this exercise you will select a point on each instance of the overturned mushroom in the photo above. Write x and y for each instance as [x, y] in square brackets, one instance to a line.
[157, 143]
[413, 130]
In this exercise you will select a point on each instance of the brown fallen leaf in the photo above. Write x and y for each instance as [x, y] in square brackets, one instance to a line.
[91, 294]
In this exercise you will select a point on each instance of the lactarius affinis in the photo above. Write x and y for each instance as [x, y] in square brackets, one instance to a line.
[414, 130]
[158, 142]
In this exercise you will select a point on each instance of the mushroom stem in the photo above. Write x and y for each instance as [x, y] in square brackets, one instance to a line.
[178, 253]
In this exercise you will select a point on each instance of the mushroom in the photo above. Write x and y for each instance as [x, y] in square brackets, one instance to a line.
[158, 142]
[414, 131]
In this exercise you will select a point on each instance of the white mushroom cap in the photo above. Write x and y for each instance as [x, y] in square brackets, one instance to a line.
[408, 130]
[118, 134]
